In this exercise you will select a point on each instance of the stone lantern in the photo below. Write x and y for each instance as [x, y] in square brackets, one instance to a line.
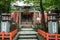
[5, 22]
[52, 23]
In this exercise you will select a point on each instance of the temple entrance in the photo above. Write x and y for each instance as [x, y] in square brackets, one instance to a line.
[27, 18]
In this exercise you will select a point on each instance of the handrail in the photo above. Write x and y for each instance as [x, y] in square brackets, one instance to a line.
[9, 35]
[48, 36]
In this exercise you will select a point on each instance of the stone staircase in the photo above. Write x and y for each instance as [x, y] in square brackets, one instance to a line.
[27, 34]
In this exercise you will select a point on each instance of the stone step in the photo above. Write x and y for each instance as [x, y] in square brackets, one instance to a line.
[26, 25]
[27, 32]
[26, 36]
[27, 29]
[27, 39]
[26, 22]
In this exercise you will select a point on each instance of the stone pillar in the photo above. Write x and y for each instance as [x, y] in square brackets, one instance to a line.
[34, 17]
[19, 17]
[39, 17]
[52, 23]
[5, 22]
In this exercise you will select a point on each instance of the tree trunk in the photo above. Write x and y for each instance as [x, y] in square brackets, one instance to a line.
[43, 19]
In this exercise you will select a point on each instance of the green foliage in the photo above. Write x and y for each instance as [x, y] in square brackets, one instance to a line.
[47, 4]
[5, 6]
[51, 4]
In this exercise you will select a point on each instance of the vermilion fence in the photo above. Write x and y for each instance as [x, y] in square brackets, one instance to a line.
[9, 35]
[48, 36]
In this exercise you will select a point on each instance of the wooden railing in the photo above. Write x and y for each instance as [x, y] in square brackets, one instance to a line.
[48, 36]
[9, 35]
